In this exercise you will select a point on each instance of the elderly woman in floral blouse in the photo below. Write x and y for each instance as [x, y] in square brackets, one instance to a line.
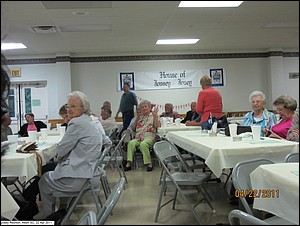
[145, 126]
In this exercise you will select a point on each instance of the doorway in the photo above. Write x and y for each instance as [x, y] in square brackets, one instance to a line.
[25, 97]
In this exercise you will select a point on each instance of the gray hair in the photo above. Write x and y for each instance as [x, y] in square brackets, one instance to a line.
[145, 102]
[287, 102]
[257, 93]
[84, 101]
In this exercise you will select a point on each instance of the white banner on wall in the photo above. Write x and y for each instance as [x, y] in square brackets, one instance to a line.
[179, 79]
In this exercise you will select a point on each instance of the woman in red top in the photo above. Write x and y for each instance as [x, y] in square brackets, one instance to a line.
[209, 102]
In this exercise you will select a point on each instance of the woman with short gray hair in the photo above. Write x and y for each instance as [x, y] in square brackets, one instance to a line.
[285, 106]
[259, 115]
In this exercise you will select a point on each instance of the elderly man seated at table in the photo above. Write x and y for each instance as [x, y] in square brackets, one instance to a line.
[145, 126]
[77, 154]
[169, 112]
[191, 115]
[108, 122]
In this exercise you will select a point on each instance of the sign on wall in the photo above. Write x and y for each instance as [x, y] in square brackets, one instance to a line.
[177, 79]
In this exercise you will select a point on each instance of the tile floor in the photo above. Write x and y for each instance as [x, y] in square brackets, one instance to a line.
[138, 202]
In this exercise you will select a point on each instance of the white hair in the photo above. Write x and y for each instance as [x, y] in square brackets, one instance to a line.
[257, 93]
[84, 101]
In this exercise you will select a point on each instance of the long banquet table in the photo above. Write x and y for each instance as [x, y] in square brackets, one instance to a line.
[278, 192]
[221, 152]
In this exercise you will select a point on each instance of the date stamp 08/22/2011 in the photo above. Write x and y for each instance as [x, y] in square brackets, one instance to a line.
[257, 193]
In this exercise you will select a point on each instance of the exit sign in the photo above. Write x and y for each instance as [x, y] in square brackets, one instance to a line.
[15, 72]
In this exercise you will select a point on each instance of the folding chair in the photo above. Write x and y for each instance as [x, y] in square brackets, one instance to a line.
[239, 217]
[116, 159]
[111, 202]
[292, 157]
[241, 181]
[89, 218]
[166, 153]
[88, 188]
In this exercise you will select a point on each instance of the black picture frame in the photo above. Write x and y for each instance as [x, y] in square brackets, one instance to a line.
[217, 76]
[127, 77]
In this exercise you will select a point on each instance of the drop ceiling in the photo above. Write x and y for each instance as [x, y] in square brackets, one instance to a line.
[133, 27]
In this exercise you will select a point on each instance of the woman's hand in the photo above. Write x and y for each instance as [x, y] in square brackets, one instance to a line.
[155, 111]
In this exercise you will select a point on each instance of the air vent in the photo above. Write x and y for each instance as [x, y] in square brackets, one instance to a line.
[44, 29]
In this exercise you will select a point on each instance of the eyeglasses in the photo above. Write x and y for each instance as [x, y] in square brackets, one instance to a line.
[72, 107]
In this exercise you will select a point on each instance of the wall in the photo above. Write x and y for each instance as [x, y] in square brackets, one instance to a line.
[98, 80]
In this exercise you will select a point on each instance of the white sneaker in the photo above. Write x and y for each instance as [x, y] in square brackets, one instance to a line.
[40, 216]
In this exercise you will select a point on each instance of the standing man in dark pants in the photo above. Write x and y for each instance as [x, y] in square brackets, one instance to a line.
[128, 100]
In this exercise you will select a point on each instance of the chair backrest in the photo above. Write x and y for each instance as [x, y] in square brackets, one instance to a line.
[167, 153]
[110, 202]
[292, 157]
[89, 218]
[238, 217]
[241, 177]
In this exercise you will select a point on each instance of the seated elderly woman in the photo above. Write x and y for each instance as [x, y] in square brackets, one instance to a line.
[31, 125]
[293, 133]
[145, 126]
[169, 112]
[259, 115]
[77, 154]
[286, 107]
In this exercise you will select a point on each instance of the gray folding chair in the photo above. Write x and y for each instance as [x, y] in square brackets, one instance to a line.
[89, 218]
[166, 153]
[88, 188]
[239, 217]
[292, 157]
[241, 181]
[116, 159]
[111, 202]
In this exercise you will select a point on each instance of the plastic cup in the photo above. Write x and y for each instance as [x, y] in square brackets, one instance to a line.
[62, 131]
[256, 132]
[32, 136]
[44, 134]
[13, 140]
[233, 129]
[177, 122]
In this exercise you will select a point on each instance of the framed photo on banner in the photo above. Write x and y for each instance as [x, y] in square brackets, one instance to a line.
[217, 77]
[127, 77]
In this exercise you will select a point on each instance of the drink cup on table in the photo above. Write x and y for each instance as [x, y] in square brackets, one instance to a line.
[44, 133]
[233, 129]
[13, 140]
[256, 132]
[32, 136]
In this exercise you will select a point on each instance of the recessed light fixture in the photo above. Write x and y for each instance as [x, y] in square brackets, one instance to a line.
[176, 41]
[210, 3]
[7, 46]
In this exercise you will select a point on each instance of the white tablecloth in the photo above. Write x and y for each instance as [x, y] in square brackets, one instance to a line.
[15, 164]
[9, 207]
[283, 179]
[222, 153]
[164, 130]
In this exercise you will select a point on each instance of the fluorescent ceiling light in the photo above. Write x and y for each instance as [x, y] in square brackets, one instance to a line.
[6, 46]
[210, 3]
[176, 41]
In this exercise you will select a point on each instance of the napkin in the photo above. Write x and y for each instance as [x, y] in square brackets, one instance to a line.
[245, 135]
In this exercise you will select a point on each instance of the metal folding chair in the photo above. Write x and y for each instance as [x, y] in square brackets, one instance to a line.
[292, 157]
[89, 218]
[166, 153]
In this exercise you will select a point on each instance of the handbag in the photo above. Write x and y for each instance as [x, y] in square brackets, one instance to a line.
[221, 122]
[27, 147]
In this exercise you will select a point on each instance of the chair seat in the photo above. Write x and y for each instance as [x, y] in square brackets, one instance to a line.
[189, 178]
[277, 221]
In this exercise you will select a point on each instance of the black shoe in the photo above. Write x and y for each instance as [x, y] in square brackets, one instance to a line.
[57, 216]
[234, 202]
[149, 168]
[127, 168]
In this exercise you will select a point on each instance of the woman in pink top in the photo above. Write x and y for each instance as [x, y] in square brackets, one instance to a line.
[31, 125]
[286, 107]
[209, 102]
